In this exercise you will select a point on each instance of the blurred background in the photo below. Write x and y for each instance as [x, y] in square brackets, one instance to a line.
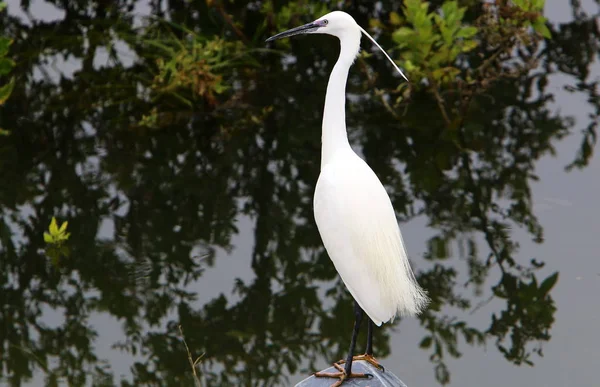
[183, 152]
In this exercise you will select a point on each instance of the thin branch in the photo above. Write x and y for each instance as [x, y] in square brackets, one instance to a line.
[439, 99]
[189, 355]
[231, 23]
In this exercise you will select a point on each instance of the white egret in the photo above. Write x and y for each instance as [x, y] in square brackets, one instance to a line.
[352, 209]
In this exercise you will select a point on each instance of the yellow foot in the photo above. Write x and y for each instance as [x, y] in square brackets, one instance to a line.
[368, 358]
[341, 375]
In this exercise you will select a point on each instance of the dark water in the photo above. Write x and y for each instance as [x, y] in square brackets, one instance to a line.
[200, 214]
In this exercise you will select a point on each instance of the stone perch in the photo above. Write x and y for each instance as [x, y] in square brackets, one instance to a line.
[379, 379]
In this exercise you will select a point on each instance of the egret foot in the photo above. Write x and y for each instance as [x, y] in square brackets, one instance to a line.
[341, 375]
[369, 359]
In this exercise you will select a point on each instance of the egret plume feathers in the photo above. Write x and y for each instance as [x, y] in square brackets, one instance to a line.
[384, 53]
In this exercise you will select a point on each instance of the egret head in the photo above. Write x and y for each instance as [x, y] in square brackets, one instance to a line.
[336, 23]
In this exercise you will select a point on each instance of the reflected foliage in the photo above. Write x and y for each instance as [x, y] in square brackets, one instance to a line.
[154, 135]
[6, 66]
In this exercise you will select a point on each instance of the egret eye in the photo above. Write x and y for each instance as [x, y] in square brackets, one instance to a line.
[325, 22]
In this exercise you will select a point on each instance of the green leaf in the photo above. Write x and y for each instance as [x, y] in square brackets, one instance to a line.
[423, 24]
[395, 19]
[63, 227]
[53, 227]
[220, 88]
[538, 5]
[426, 342]
[56, 235]
[402, 34]
[441, 373]
[449, 8]
[409, 66]
[4, 45]
[548, 284]
[6, 90]
[2, 6]
[519, 3]
[4, 132]
[451, 13]
[6, 65]
[375, 23]
[466, 32]
[539, 25]
[441, 57]
[447, 33]
[469, 45]
[446, 74]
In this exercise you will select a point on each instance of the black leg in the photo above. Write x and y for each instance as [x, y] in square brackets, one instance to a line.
[369, 338]
[358, 312]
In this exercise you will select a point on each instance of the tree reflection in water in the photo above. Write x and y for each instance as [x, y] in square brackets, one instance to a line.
[207, 125]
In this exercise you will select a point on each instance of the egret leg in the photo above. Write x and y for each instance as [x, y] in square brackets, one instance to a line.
[346, 372]
[369, 339]
[358, 315]
[368, 356]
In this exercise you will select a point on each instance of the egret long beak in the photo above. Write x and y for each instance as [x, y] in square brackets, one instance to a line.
[295, 31]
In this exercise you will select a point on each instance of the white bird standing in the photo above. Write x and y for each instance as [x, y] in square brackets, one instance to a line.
[353, 211]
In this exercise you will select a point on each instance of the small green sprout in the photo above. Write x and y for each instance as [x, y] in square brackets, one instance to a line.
[56, 235]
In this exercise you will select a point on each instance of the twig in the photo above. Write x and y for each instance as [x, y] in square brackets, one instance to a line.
[231, 23]
[481, 305]
[192, 362]
[439, 100]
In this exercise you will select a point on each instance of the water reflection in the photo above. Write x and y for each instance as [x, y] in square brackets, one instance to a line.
[153, 183]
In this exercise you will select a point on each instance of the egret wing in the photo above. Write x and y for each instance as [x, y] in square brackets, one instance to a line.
[349, 202]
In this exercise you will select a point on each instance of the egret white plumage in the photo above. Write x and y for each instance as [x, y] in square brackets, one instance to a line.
[352, 209]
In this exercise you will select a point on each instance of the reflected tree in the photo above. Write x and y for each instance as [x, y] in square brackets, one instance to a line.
[161, 131]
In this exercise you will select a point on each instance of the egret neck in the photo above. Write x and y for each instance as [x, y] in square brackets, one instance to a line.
[335, 137]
